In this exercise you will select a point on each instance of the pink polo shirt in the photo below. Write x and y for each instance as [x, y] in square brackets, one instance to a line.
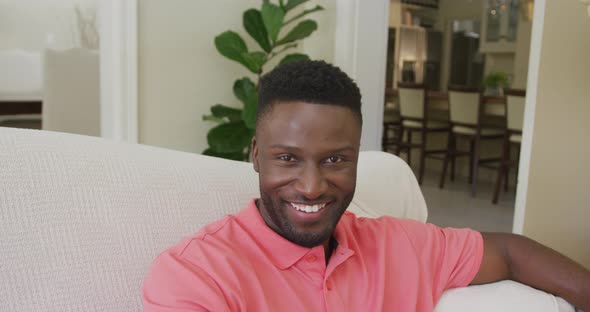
[240, 264]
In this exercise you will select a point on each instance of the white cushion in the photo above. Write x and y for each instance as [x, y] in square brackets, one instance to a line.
[516, 138]
[411, 102]
[82, 218]
[472, 131]
[501, 296]
[430, 124]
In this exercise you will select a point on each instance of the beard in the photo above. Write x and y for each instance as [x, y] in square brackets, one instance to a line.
[276, 209]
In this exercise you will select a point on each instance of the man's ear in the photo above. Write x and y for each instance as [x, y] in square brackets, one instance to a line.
[254, 154]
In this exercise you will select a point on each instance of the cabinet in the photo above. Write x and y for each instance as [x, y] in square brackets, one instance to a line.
[500, 27]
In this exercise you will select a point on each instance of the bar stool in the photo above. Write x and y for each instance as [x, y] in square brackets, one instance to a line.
[465, 115]
[515, 100]
[413, 103]
[391, 124]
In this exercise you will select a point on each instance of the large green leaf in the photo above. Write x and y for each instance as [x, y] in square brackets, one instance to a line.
[231, 137]
[254, 61]
[233, 156]
[293, 3]
[293, 58]
[245, 90]
[300, 31]
[231, 45]
[255, 27]
[272, 17]
[222, 111]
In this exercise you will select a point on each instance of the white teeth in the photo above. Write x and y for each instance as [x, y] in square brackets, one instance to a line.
[308, 208]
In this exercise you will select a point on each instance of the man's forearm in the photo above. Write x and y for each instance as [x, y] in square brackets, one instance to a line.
[541, 267]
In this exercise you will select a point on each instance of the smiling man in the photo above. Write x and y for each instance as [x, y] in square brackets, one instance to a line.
[297, 249]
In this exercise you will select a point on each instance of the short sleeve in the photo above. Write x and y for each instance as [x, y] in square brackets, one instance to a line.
[175, 285]
[450, 257]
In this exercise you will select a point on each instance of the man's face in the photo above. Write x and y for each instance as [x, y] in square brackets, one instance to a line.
[306, 156]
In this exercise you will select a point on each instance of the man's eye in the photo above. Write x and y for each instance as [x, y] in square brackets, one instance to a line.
[286, 158]
[334, 159]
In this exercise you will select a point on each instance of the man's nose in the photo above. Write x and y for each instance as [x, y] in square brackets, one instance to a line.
[311, 183]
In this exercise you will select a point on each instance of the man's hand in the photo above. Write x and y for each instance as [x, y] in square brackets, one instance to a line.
[515, 257]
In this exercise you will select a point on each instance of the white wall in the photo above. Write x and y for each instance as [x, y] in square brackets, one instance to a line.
[36, 24]
[360, 50]
[320, 45]
[557, 203]
[521, 57]
[181, 74]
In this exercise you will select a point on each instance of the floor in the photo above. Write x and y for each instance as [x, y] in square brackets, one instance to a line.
[453, 206]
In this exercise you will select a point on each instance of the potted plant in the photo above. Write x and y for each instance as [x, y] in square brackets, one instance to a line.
[495, 82]
[232, 135]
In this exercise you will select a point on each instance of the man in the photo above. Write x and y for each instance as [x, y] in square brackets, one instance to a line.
[296, 249]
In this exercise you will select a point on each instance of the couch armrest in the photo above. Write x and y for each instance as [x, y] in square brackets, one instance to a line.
[503, 296]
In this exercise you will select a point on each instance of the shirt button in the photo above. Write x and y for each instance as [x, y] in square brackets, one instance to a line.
[329, 285]
[311, 258]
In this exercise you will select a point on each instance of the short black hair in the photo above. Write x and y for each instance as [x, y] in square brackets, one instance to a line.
[315, 82]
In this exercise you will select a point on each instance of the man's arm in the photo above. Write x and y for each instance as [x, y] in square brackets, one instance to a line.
[515, 257]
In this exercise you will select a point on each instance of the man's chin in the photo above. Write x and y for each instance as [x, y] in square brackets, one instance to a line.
[308, 238]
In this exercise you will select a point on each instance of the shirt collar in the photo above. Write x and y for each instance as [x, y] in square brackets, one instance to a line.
[279, 250]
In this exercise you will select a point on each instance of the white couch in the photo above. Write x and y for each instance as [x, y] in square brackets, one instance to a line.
[82, 218]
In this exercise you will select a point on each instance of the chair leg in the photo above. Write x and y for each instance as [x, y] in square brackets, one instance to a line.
[501, 173]
[422, 157]
[453, 155]
[507, 161]
[502, 170]
[475, 166]
[449, 154]
[409, 148]
[399, 140]
[471, 156]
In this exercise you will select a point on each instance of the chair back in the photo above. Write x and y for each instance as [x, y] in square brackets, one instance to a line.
[464, 106]
[71, 101]
[412, 99]
[515, 100]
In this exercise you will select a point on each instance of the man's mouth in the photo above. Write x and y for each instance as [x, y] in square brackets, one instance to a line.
[308, 208]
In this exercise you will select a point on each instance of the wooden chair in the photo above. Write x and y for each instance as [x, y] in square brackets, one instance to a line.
[391, 125]
[466, 108]
[515, 100]
[413, 103]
